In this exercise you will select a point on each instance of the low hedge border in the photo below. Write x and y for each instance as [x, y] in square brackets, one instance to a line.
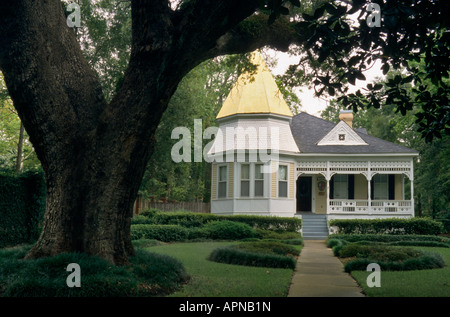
[165, 233]
[384, 250]
[217, 230]
[230, 255]
[423, 226]
[269, 246]
[388, 238]
[191, 219]
[424, 262]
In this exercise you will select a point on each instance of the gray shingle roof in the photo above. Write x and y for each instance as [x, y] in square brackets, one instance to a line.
[308, 130]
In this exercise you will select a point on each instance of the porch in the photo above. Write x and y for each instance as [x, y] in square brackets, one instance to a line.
[356, 188]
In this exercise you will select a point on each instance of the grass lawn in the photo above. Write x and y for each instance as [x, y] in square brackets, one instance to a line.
[211, 279]
[418, 283]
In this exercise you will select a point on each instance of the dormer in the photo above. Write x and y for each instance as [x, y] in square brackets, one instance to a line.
[343, 133]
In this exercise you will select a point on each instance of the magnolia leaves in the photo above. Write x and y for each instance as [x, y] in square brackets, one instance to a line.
[276, 8]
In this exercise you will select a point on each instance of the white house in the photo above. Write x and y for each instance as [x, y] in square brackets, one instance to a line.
[270, 162]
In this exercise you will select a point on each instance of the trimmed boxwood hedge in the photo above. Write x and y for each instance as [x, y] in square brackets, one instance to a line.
[165, 233]
[389, 258]
[424, 262]
[422, 226]
[190, 219]
[385, 251]
[228, 230]
[217, 230]
[233, 255]
[388, 238]
[269, 246]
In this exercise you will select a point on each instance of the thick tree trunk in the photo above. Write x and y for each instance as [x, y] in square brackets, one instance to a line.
[89, 206]
[94, 154]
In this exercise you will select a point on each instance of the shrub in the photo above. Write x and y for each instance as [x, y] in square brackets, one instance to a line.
[191, 219]
[421, 244]
[157, 273]
[185, 219]
[148, 274]
[336, 245]
[228, 230]
[197, 234]
[270, 234]
[333, 242]
[165, 233]
[390, 258]
[149, 212]
[236, 256]
[423, 226]
[378, 252]
[295, 241]
[425, 261]
[387, 238]
[141, 219]
[270, 247]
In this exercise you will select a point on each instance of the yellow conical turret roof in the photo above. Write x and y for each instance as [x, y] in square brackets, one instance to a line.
[255, 93]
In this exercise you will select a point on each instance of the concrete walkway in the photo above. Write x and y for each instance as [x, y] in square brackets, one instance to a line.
[320, 274]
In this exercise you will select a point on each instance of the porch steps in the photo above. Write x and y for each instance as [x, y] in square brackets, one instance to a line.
[314, 227]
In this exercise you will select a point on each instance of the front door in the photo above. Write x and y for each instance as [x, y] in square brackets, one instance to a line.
[304, 186]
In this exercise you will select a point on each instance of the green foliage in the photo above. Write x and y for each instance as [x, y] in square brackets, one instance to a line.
[199, 96]
[217, 230]
[387, 238]
[445, 223]
[432, 179]
[22, 206]
[258, 253]
[183, 218]
[228, 230]
[148, 274]
[105, 39]
[392, 226]
[426, 261]
[386, 252]
[331, 38]
[237, 256]
[165, 233]
[294, 241]
[336, 245]
[190, 219]
[182, 225]
[10, 126]
[378, 252]
[271, 247]
[271, 234]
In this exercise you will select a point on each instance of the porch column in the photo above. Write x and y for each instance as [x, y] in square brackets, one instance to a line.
[411, 181]
[328, 194]
[369, 199]
[327, 177]
[369, 189]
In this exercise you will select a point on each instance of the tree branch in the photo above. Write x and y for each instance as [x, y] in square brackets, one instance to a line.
[47, 76]
[255, 32]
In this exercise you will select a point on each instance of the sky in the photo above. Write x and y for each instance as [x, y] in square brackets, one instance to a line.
[311, 104]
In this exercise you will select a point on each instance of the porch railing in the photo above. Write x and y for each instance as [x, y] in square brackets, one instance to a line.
[369, 207]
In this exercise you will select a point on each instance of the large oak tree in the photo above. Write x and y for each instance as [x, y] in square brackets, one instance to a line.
[94, 152]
